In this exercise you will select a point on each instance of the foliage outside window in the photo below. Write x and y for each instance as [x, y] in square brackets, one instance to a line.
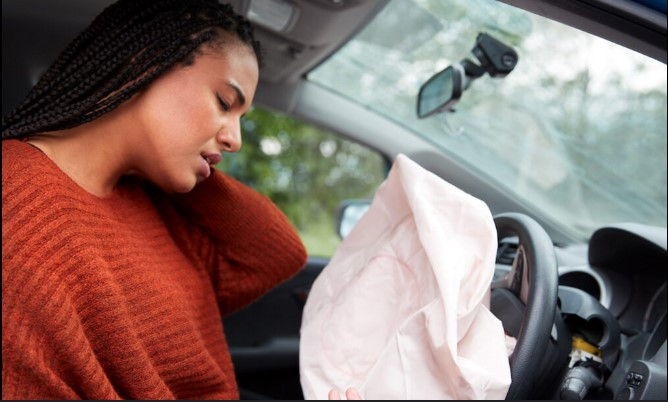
[306, 171]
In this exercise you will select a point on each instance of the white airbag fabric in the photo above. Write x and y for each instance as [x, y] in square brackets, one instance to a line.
[402, 309]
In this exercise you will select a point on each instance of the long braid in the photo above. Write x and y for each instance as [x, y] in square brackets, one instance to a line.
[76, 85]
[80, 52]
[129, 45]
[71, 117]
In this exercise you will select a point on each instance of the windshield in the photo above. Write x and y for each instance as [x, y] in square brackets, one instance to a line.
[577, 131]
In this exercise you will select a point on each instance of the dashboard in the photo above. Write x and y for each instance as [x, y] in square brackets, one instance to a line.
[612, 296]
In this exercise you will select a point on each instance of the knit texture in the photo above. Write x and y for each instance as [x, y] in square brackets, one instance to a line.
[122, 297]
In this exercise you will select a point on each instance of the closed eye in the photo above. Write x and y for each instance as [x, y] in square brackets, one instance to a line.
[223, 104]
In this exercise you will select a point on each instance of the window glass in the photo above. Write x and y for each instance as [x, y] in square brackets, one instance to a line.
[306, 171]
[577, 131]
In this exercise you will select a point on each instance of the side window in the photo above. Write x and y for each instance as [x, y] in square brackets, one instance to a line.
[306, 171]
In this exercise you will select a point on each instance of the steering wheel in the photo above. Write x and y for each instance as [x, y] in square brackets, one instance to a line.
[533, 280]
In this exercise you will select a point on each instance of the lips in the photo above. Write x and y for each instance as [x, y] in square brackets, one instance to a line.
[204, 168]
[212, 158]
[208, 160]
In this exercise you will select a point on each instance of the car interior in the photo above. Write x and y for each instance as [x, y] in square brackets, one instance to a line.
[607, 337]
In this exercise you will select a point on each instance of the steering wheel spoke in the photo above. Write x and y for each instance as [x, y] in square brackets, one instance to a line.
[517, 279]
[533, 280]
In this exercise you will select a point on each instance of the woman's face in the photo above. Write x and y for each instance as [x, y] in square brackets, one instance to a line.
[190, 115]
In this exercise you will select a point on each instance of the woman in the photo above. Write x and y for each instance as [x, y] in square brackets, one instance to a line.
[122, 246]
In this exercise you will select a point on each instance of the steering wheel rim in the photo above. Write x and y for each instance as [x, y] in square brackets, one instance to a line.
[541, 298]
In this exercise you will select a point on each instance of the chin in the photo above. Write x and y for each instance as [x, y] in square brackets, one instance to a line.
[179, 185]
[184, 187]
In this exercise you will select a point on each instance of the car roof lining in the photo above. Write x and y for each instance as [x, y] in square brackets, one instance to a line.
[624, 22]
[318, 32]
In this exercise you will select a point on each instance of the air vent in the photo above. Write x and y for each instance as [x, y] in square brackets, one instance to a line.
[505, 254]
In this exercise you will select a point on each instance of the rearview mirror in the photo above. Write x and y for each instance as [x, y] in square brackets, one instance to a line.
[444, 89]
[441, 92]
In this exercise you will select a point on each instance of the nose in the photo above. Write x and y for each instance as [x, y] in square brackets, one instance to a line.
[229, 137]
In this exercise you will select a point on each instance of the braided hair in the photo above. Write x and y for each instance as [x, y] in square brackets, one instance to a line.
[125, 48]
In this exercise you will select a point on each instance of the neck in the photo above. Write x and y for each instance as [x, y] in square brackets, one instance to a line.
[94, 155]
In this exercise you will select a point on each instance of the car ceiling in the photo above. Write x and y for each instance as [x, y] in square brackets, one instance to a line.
[626, 22]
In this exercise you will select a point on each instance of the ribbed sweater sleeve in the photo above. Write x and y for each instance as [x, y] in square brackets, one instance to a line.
[245, 242]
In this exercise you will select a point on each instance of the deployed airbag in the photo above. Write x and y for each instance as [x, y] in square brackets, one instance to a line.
[402, 309]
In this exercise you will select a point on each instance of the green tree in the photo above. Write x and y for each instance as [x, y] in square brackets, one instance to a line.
[305, 170]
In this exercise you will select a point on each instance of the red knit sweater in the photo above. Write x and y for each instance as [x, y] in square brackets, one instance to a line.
[122, 297]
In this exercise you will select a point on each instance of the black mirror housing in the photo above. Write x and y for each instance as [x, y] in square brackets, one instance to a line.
[444, 89]
[494, 56]
[441, 92]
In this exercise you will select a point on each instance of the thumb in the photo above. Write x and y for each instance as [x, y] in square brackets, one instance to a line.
[351, 393]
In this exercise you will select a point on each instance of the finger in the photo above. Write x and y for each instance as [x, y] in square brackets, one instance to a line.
[334, 394]
[351, 393]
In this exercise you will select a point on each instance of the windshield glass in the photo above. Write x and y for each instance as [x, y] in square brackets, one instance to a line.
[577, 131]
